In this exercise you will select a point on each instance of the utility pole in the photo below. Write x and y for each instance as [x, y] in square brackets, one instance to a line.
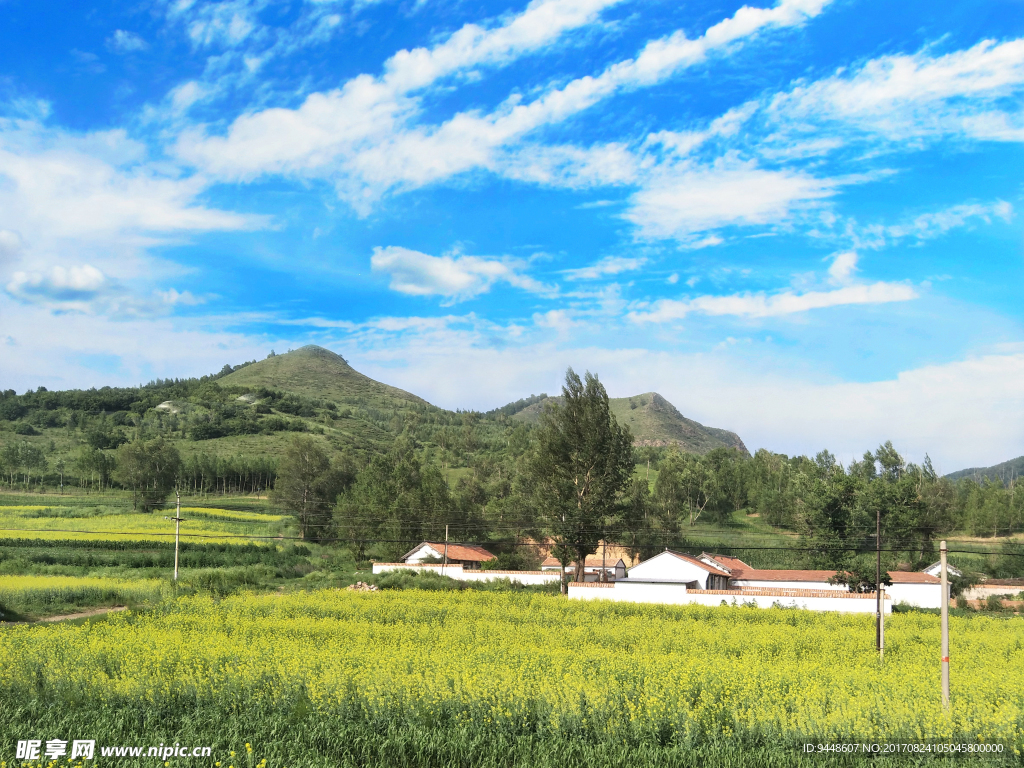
[604, 561]
[944, 620]
[879, 642]
[177, 527]
[444, 562]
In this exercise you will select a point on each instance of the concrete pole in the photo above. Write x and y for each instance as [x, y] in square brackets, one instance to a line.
[878, 582]
[444, 562]
[177, 524]
[944, 620]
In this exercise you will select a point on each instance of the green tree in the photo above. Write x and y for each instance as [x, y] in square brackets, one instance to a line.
[581, 464]
[308, 485]
[150, 469]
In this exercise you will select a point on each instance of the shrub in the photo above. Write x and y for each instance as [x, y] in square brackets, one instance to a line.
[993, 603]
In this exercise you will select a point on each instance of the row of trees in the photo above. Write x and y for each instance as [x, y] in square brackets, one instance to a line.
[573, 480]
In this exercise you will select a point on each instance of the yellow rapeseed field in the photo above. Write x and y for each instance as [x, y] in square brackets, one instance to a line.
[501, 661]
[23, 523]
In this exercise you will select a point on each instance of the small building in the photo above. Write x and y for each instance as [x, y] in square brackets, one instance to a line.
[469, 556]
[673, 567]
[593, 567]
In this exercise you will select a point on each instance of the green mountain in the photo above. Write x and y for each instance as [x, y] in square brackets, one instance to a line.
[318, 373]
[1006, 471]
[655, 422]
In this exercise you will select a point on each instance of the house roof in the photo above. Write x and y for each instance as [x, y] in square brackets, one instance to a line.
[694, 561]
[732, 564]
[949, 568]
[469, 552]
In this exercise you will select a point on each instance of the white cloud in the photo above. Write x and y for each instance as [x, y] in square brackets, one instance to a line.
[59, 185]
[761, 305]
[610, 265]
[843, 267]
[61, 287]
[364, 136]
[123, 41]
[569, 166]
[331, 128]
[683, 199]
[937, 223]
[455, 277]
[907, 96]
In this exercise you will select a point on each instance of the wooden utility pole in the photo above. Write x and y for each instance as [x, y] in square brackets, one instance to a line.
[944, 620]
[879, 629]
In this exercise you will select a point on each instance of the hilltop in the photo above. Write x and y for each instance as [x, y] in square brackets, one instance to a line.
[318, 373]
[1006, 471]
[654, 422]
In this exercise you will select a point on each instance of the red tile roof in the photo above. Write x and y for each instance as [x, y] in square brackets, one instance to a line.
[456, 552]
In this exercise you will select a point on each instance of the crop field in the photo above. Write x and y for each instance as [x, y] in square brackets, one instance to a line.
[27, 595]
[412, 678]
[101, 523]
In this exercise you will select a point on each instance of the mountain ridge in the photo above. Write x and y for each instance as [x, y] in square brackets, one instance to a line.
[654, 422]
[1005, 471]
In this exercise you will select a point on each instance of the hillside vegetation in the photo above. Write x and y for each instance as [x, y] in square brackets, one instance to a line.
[1005, 472]
[654, 422]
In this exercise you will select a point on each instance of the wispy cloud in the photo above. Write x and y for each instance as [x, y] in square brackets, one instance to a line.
[453, 277]
[367, 136]
[123, 41]
[760, 305]
[611, 265]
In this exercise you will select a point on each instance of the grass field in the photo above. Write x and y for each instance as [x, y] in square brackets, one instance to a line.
[412, 678]
[33, 596]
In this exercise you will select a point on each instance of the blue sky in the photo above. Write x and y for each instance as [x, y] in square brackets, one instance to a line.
[799, 220]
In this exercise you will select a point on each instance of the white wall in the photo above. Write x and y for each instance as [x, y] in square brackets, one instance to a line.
[983, 591]
[667, 567]
[457, 572]
[919, 595]
[678, 594]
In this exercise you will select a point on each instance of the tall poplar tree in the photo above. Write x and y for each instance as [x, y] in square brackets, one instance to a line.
[581, 466]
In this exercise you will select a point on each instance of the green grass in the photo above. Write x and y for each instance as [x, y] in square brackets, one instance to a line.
[39, 596]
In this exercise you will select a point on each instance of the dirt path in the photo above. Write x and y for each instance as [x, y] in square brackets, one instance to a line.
[86, 614]
[70, 616]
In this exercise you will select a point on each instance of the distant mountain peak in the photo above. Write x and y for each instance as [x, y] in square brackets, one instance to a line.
[655, 422]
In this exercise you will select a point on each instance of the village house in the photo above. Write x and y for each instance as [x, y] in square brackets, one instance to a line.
[469, 556]
[678, 578]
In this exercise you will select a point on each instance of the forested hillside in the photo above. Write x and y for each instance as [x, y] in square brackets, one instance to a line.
[394, 469]
[1005, 472]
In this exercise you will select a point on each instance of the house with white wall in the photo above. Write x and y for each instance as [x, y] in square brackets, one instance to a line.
[677, 578]
[469, 556]
[674, 567]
